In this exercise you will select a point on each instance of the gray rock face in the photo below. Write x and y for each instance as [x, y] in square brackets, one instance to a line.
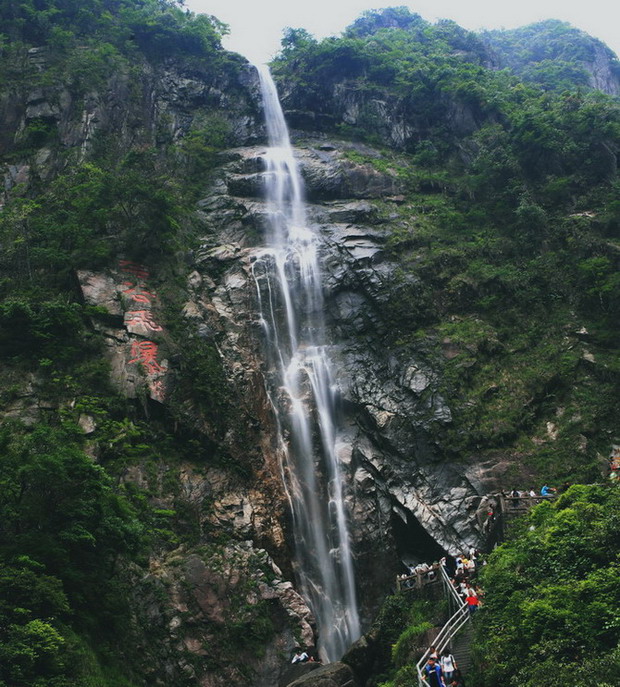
[395, 120]
[401, 495]
[604, 74]
[171, 102]
[193, 596]
[397, 487]
[332, 675]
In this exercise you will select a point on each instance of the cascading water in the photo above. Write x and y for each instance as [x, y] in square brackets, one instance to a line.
[303, 391]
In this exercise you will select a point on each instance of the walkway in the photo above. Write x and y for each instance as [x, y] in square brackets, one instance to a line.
[456, 635]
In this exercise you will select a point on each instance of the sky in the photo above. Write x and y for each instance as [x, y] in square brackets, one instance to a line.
[256, 25]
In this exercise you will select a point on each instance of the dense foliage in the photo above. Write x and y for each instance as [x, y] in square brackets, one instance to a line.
[63, 530]
[552, 54]
[509, 234]
[73, 535]
[552, 596]
[160, 28]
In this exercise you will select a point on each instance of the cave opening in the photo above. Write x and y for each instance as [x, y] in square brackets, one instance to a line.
[413, 543]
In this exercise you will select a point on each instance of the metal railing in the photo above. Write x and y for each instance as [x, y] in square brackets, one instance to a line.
[512, 504]
[508, 506]
[453, 625]
[418, 579]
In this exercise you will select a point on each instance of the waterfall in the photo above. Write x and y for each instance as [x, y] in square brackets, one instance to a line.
[303, 391]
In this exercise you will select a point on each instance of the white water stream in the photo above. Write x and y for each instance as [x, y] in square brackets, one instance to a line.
[304, 393]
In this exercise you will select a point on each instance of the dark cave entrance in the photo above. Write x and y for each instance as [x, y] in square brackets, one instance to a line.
[413, 543]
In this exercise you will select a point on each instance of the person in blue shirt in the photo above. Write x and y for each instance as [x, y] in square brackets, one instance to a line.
[433, 673]
[547, 491]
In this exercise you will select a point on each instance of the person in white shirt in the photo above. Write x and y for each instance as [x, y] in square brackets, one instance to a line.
[448, 665]
[300, 656]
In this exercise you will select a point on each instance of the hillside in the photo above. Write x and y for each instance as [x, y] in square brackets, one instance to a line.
[508, 222]
[556, 56]
[468, 222]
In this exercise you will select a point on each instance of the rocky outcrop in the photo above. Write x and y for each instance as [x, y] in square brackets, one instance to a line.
[132, 346]
[171, 102]
[396, 121]
[332, 675]
[236, 585]
[604, 70]
[222, 615]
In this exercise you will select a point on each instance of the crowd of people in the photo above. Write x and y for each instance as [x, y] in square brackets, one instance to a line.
[462, 571]
[442, 670]
[418, 575]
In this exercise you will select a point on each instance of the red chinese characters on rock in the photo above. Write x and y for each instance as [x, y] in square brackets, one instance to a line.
[133, 268]
[144, 318]
[145, 353]
[137, 293]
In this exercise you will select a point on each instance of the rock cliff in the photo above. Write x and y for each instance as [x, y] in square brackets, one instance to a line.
[178, 416]
[403, 498]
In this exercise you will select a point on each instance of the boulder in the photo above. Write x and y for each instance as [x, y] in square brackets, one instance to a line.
[332, 675]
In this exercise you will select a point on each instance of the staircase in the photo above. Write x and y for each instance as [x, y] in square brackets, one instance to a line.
[456, 633]
[460, 647]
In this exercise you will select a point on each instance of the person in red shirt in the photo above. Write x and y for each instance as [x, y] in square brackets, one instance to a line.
[472, 601]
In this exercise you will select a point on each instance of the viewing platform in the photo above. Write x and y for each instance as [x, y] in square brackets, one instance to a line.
[507, 509]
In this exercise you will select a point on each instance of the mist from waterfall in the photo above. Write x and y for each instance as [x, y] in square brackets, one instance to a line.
[303, 391]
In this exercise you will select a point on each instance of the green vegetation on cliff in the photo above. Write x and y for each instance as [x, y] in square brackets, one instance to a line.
[552, 54]
[65, 529]
[508, 240]
[74, 533]
[507, 237]
[552, 594]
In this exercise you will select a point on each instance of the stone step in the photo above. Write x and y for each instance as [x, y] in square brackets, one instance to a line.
[461, 648]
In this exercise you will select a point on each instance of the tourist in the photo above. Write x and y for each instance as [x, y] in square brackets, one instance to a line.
[457, 679]
[448, 665]
[472, 603]
[300, 656]
[432, 653]
[547, 491]
[489, 521]
[433, 673]
[406, 583]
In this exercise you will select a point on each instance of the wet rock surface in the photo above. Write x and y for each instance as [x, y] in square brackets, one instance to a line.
[397, 487]
[397, 484]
